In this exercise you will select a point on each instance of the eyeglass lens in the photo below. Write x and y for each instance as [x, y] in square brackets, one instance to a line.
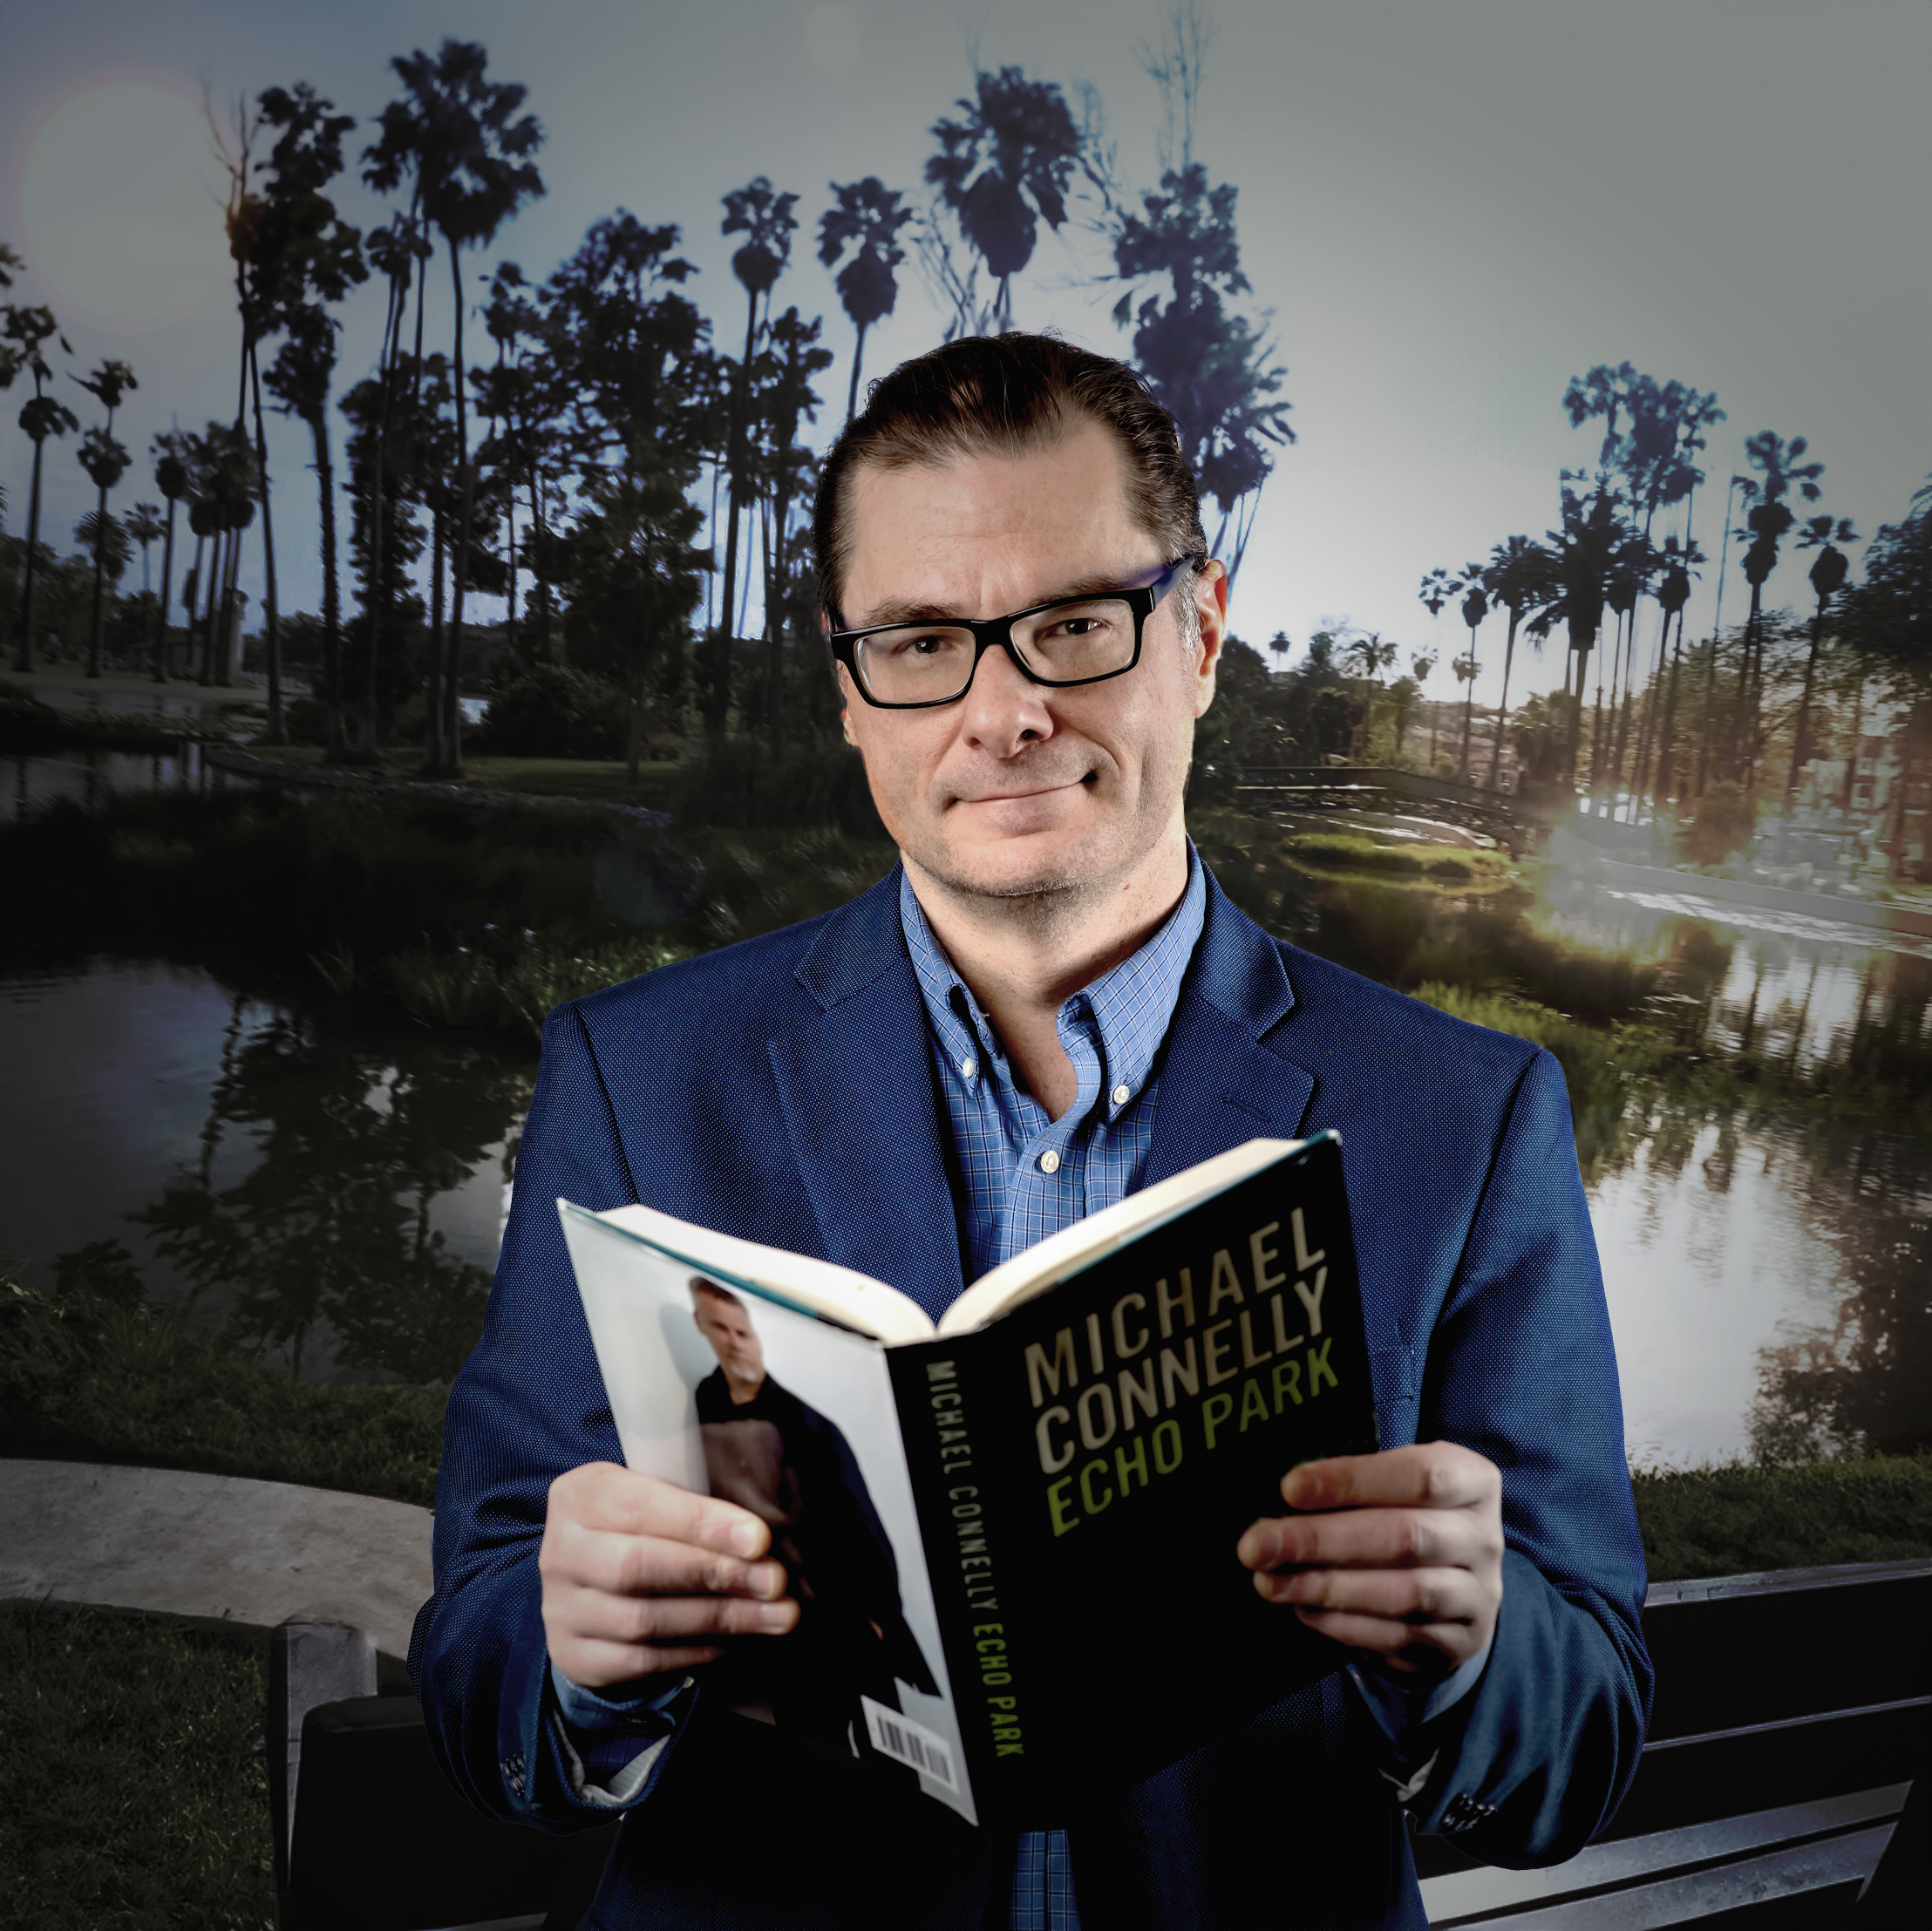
[1064, 643]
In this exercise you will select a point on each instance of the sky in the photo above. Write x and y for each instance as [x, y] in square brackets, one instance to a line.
[1447, 209]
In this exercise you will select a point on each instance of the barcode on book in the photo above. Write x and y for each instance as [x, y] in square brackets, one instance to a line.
[908, 1743]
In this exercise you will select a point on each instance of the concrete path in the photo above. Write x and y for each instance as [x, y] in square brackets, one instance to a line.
[212, 1545]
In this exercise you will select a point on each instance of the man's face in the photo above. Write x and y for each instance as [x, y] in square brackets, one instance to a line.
[733, 1340]
[1017, 789]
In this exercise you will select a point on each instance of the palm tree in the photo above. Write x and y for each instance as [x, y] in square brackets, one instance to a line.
[867, 220]
[1584, 553]
[174, 478]
[144, 526]
[1422, 663]
[458, 132]
[1002, 169]
[1673, 594]
[765, 219]
[307, 257]
[106, 462]
[1475, 607]
[1769, 517]
[1517, 576]
[1828, 573]
[43, 416]
[797, 358]
[1208, 366]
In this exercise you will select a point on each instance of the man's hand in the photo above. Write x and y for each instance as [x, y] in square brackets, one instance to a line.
[639, 1575]
[1405, 1560]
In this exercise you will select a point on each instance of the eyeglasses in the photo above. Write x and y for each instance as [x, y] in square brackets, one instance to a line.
[1071, 640]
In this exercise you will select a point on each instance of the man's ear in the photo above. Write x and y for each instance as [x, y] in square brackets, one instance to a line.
[1210, 593]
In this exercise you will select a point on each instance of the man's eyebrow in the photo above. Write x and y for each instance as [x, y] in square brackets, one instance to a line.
[913, 611]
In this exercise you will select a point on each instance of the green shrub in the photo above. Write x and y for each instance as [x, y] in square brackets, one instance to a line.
[553, 710]
[1739, 1519]
[1726, 822]
[134, 1784]
[87, 1374]
[467, 987]
[742, 784]
[1351, 852]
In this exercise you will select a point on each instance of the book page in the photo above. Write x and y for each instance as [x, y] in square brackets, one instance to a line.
[721, 1388]
[819, 1286]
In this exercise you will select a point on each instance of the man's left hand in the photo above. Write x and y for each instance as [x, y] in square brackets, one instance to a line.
[1400, 1554]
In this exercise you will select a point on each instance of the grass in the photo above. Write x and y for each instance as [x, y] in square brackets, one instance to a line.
[1462, 866]
[133, 1793]
[85, 1378]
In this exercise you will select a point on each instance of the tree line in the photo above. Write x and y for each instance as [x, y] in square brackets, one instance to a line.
[1747, 707]
[586, 444]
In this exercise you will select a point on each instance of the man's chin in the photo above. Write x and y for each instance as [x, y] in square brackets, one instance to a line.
[1038, 864]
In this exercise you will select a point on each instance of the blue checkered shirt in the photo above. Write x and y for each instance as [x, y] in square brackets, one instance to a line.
[1026, 1176]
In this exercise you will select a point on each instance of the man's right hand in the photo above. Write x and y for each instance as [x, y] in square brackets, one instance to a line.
[640, 1575]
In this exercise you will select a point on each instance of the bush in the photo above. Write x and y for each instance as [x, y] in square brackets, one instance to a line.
[1738, 1520]
[553, 711]
[92, 1374]
[740, 785]
[1726, 822]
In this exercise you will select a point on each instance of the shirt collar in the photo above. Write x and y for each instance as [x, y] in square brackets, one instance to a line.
[1131, 1005]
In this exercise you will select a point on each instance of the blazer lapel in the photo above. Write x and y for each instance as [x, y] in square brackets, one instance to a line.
[1219, 1084]
[855, 1082]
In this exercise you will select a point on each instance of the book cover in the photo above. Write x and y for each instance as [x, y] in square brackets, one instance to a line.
[1014, 1547]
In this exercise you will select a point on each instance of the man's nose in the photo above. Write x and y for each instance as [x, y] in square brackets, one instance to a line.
[1005, 709]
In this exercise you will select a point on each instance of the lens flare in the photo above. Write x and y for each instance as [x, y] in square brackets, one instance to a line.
[117, 186]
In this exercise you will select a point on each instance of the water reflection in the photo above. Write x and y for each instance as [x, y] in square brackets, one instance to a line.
[1757, 1157]
[328, 1182]
[89, 777]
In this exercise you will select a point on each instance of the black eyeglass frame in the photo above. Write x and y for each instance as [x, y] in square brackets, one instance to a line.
[990, 633]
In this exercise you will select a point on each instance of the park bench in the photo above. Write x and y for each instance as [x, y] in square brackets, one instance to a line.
[1792, 1727]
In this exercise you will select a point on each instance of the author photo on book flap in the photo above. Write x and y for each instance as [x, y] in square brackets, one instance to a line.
[1047, 1009]
[772, 1453]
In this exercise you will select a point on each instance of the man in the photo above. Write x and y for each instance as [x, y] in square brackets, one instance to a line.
[1047, 1005]
[777, 1457]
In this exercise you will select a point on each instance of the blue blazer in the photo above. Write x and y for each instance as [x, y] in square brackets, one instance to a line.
[783, 1090]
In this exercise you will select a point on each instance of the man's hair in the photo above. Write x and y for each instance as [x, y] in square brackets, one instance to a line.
[703, 1290]
[1005, 395]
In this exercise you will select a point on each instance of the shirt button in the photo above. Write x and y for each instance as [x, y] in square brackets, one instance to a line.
[1121, 1096]
[968, 1068]
[1050, 1161]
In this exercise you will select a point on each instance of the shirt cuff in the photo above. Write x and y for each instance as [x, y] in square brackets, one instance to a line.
[1400, 1709]
[610, 1747]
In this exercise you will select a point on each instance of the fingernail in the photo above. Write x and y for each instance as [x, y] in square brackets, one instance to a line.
[746, 1537]
[774, 1616]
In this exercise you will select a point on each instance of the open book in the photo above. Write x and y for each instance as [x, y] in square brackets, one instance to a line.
[1011, 1536]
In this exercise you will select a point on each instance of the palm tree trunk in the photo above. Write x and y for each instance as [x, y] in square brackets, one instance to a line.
[100, 565]
[271, 616]
[1803, 728]
[23, 659]
[160, 617]
[332, 592]
[858, 357]
[433, 663]
[212, 589]
[1668, 731]
[720, 699]
[453, 720]
[1502, 711]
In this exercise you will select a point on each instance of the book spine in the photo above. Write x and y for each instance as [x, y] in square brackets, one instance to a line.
[951, 1448]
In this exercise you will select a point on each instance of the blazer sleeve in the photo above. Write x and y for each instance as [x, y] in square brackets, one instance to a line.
[1521, 1368]
[528, 1405]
